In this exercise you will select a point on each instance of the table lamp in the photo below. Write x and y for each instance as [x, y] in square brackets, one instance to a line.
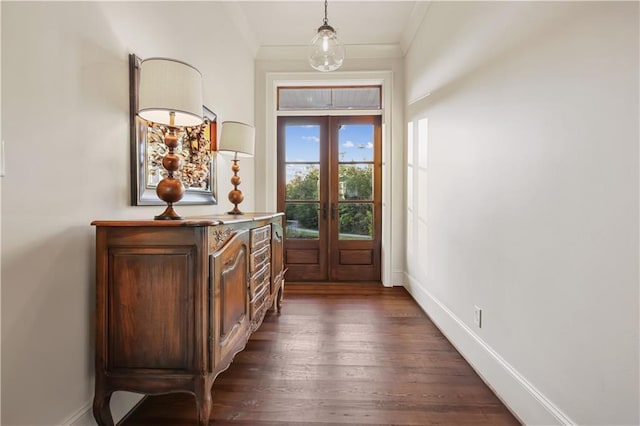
[237, 138]
[171, 95]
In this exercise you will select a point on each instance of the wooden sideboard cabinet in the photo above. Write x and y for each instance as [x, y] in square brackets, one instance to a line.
[177, 300]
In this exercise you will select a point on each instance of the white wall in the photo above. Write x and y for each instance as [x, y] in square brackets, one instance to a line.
[1, 159]
[531, 208]
[65, 123]
[361, 63]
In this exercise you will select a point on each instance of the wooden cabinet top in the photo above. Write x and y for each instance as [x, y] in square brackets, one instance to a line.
[207, 220]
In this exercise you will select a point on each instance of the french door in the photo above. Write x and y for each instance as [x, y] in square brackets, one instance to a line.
[330, 188]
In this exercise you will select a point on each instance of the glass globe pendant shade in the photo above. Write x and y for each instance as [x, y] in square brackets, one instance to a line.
[325, 51]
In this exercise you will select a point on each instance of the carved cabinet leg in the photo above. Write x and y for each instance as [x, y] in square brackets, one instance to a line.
[101, 410]
[203, 400]
[278, 302]
[279, 298]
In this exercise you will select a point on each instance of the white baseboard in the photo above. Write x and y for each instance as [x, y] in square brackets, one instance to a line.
[82, 416]
[522, 398]
[398, 278]
[121, 404]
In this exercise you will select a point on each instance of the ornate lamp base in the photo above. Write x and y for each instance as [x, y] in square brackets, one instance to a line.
[168, 214]
[170, 189]
[235, 195]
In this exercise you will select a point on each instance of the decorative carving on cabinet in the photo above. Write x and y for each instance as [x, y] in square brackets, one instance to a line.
[219, 237]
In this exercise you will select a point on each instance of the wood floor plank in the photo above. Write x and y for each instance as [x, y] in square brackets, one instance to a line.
[470, 395]
[416, 359]
[341, 354]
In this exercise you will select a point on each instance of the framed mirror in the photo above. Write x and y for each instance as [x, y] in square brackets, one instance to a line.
[196, 149]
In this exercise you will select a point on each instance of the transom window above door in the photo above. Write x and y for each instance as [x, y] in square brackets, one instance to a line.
[330, 98]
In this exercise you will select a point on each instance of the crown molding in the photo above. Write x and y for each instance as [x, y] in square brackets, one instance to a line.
[418, 13]
[240, 20]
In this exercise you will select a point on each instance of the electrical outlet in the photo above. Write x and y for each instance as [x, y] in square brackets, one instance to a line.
[477, 316]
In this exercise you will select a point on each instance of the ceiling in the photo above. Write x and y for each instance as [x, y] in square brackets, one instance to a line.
[294, 23]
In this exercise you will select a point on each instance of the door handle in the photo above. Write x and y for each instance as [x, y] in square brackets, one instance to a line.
[333, 211]
[324, 211]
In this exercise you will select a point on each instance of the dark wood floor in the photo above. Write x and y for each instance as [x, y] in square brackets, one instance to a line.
[341, 354]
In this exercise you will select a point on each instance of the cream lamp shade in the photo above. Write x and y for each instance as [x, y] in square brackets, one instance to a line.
[237, 138]
[169, 86]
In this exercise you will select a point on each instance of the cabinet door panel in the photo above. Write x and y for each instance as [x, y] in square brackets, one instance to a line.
[277, 252]
[233, 293]
[231, 302]
[151, 312]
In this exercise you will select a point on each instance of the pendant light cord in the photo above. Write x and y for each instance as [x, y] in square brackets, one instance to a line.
[325, 12]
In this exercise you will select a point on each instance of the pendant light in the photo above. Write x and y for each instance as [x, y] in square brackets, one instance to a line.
[325, 52]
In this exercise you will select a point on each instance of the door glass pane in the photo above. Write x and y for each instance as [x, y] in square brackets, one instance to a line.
[302, 220]
[355, 182]
[355, 142]
[355, 221]
[302, 143]
[303, 182]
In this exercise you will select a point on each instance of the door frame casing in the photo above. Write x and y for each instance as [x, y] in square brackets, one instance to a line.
[391, 274]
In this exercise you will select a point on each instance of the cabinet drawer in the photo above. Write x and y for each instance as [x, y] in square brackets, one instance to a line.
[259, 301]
[260, 278]
[260, 258]
[260, 237]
